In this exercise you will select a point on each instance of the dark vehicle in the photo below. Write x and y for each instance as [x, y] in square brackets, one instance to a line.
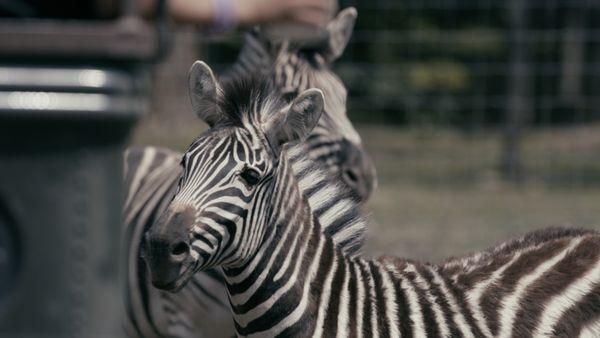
[72, 84]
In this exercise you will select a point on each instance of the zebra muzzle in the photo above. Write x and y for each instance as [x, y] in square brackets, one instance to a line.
[167, 251]
[358, 171]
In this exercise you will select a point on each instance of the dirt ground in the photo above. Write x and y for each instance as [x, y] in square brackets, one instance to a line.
[439, 193]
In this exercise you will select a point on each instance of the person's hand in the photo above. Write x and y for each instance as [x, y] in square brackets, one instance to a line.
[312, 13]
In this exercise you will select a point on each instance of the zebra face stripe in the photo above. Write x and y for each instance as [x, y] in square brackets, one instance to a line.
[294, 68]
[216, 210]
[217, 190]
[346, 161]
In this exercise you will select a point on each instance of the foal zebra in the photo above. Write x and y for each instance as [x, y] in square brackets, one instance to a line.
[239, 207]
[152, 175]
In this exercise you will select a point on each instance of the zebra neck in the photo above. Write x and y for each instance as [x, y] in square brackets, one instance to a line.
[280, 292]
[308, 287]
[253, 58]
[300, 283]
[273, 292]
[338, 214]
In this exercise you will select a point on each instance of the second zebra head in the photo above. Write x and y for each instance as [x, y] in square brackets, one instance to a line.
[294, 68]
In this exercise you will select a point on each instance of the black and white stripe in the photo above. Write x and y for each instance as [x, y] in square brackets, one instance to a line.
[286, 276]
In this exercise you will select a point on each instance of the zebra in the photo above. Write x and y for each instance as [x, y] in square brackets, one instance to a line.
[295, 68]
[239, 207]
[152, 173]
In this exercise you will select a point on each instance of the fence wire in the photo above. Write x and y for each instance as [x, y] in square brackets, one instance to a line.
[525, 73]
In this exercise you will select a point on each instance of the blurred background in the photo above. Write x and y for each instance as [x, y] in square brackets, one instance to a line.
[481, 116]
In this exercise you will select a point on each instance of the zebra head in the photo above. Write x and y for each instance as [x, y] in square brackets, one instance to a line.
[295, 68]
[219, 214]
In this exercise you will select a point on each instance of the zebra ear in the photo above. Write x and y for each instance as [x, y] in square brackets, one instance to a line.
[340, 31]
[203, 90]
[297, 120]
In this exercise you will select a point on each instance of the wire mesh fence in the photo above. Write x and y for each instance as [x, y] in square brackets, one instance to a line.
[458, 62]
[521, 75]
[493, 67]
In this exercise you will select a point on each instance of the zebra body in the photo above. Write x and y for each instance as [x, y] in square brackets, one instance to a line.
[240, 207]
[549, 288]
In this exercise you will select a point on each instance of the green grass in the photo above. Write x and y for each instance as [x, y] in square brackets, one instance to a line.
[431, 222]
[439, 192]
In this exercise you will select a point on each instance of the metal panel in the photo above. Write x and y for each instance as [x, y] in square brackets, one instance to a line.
[61, 141]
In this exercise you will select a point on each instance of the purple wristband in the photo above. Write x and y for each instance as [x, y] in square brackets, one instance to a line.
[224, 16]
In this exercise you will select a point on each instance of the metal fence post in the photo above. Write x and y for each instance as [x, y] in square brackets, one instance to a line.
[519, 93]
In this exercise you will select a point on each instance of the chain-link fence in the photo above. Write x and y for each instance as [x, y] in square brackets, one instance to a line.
[467, 62]
[509, 65]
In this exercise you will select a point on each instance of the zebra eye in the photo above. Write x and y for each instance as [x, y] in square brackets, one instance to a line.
[251, 176]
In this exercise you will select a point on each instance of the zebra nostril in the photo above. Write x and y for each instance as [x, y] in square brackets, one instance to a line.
[180, 251]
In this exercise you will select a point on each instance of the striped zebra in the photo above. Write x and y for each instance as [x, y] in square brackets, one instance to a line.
[152, 174]
[239, 206]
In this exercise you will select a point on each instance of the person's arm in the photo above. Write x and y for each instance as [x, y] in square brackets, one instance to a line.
[316, 13]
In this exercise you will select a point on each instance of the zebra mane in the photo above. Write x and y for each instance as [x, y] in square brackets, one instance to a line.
[259, 51]
[336, 208]
[259, 55]
[245, 95]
